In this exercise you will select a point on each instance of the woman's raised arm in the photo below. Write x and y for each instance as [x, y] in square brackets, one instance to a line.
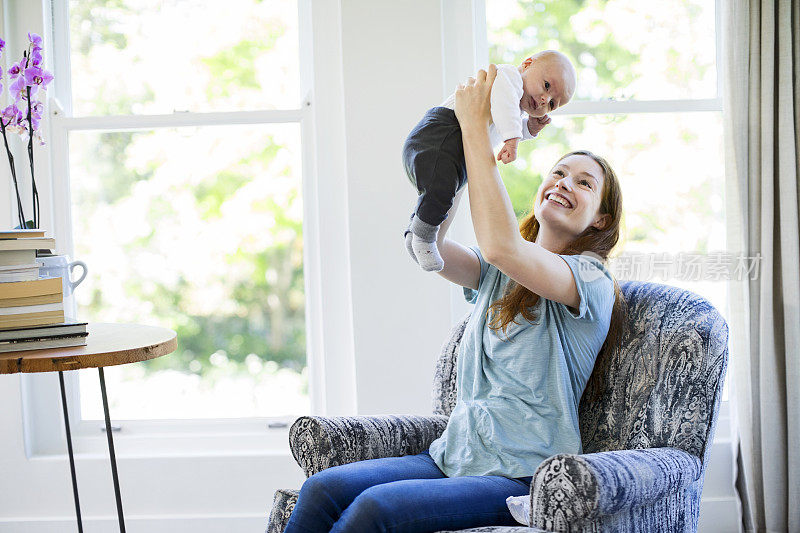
[496, 228]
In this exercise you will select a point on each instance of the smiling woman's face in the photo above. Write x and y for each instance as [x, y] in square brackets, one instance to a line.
[577, 182]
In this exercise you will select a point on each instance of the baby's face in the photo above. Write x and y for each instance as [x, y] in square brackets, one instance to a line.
[547, 84]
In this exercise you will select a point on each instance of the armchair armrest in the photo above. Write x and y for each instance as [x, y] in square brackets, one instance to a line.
[570, 488]
[319, 442]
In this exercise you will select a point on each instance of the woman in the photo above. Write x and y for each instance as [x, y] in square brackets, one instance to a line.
[518, 393]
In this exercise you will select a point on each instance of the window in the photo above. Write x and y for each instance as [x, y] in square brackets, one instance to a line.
[186, 194]
[647, 100]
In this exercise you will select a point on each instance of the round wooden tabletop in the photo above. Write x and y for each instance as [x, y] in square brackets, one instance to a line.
[106, 345]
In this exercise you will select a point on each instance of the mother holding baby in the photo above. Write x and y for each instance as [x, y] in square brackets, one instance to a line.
[544, 284]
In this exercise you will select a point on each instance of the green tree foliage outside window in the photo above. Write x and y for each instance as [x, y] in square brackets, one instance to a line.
[545, 25]
[265, 286]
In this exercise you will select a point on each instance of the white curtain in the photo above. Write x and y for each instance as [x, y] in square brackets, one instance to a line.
[761, 78]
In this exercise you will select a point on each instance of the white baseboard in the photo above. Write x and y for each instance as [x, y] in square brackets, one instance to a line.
[140, 524]
[719, 515]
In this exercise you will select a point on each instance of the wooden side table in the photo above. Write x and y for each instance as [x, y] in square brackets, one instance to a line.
[106, 345]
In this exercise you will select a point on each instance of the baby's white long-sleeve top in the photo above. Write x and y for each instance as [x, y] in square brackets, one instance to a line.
[508, 119]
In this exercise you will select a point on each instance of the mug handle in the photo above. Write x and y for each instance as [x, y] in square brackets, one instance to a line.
[71, 266]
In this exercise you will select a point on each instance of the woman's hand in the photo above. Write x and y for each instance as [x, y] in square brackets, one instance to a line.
[493, 218]
[473, 108]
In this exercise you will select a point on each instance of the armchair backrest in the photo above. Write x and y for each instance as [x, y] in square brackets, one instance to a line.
[663, 384]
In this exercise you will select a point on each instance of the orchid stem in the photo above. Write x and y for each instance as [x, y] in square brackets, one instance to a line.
[20, 214]
[30, 158]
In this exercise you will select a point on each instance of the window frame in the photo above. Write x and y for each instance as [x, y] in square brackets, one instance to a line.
[332, 366]
[329, 394]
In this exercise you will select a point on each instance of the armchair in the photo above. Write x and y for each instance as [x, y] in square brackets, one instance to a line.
[646, 440]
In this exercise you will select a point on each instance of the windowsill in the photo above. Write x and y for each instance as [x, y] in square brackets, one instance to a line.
[175, 445]
[57, 457]
[182, 438]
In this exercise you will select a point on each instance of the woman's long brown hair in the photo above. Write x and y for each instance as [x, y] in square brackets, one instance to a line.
[519, 300]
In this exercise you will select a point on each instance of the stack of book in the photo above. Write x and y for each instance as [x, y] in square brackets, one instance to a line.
[66, 333]
[32, 309]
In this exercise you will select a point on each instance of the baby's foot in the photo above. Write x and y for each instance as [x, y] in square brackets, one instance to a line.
[423, 244]
[409, 237]
[427, 254]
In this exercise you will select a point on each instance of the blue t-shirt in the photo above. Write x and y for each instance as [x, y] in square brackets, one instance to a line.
[518, 400]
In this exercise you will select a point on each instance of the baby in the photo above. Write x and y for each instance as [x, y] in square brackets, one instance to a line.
[433, 154]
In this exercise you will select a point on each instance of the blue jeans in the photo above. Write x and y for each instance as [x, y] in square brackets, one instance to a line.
[408, 494]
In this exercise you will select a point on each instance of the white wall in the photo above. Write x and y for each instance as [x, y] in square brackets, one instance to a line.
[392, 74]
[392, 70]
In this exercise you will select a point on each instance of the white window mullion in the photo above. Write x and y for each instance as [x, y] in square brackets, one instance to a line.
[718, 38]
[179, 119]
[603, 107]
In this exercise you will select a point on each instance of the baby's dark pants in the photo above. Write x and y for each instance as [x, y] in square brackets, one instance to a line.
[433, 156]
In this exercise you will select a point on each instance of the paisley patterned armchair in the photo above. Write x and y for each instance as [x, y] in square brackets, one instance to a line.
[646, 440]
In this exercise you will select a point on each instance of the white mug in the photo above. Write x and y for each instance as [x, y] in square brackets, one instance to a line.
[59, 266]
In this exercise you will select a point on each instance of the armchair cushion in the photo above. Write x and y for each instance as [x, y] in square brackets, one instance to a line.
[282, 506]
[319, 442]
[571, 489]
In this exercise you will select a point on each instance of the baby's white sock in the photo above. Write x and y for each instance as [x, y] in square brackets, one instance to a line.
[424, 245]
[427, 254]
[409, 238]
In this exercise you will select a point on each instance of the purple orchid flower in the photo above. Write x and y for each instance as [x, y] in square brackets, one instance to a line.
[36, 115]
[37, 76]
[18, 88]
[35, 39]
[36, 57]
[15, 69]
[9, 115]
[20, 113]
[2, 44]
[13, 119]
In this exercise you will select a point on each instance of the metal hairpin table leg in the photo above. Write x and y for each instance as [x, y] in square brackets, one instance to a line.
[69, 449]
[111, 451]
